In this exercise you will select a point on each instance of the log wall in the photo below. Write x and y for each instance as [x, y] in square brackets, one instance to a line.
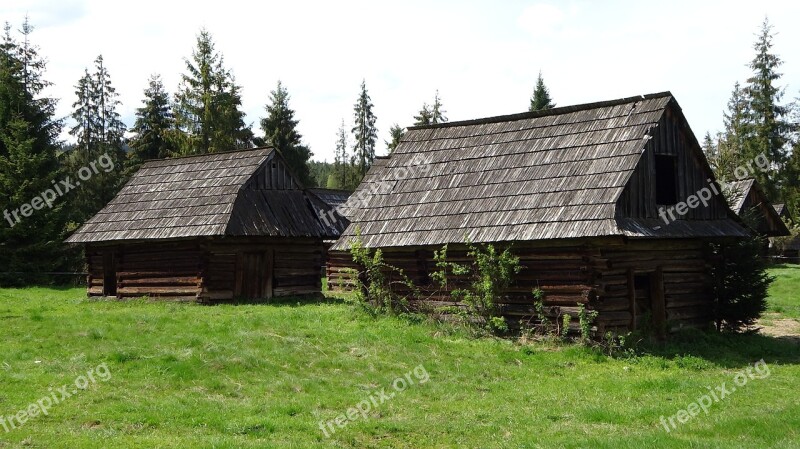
[601, 275]
[209, 270]
[167, 270]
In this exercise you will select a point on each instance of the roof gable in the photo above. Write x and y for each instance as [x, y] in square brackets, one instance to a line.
[747, 195]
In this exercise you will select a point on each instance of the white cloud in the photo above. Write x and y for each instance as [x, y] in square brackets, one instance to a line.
[541, 19]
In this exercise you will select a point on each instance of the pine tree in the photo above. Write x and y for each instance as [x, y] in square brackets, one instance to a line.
[431, 114]
[791, 193]
[341, 162]
[111, 128]
[85, 113]
[397, 133]
[437, 111]
[770, 128]
[280, 132]
[28, 165]
[154, 127]
[99, 132]
[730, 151]
[208, 103]
[540, 99]
[424, 117]
[364, 132]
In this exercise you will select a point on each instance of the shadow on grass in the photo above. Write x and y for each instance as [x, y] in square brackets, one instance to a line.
[726, 349]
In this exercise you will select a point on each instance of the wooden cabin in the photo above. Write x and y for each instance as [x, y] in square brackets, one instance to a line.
[215, 227]
[749, 200]
[782, 211]
[575, 191]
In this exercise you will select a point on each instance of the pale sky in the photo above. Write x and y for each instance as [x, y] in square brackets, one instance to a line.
[483, 56]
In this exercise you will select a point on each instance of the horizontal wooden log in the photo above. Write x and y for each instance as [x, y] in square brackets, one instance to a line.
[155, 274]
[175, 298]
[183, 280]
[175, 290]
[612, 304]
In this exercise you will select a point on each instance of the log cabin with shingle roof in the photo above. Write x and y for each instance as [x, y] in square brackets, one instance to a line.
[213, 227]
[748, 198]
[576, 191]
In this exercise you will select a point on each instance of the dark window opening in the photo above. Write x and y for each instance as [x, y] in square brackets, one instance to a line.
[666, 179]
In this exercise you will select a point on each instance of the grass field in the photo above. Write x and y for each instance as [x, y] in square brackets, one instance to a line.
[184, 375]
[785, 291]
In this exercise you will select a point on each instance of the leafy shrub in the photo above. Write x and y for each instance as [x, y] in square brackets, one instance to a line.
[585, 319]
[375, 292]
[484, 278]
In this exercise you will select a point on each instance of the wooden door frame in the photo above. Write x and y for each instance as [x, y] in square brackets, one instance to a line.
[658, 311]
[110, 259]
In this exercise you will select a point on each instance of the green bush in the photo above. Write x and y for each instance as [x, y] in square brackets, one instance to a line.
[375, 292]
[741, 284]
[487, 275]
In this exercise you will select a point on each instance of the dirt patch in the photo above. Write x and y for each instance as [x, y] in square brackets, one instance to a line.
[785, 328]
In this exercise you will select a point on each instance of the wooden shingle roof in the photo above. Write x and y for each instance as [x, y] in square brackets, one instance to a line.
[331, 197]
[747, 194]
[540, 175]
[739, 191]
[217, 194]
[369, 185]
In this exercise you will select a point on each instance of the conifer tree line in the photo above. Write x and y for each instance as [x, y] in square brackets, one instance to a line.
[758, 120]
[203, 114]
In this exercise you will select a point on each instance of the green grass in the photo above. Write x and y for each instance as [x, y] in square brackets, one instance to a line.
[185, 375]
[784, 293]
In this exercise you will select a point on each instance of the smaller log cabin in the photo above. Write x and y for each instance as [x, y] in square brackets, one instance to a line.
[592, 198]
[748, 198]
[215, 227]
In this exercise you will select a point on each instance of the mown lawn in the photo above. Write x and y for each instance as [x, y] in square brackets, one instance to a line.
[184, 375]
[785, 291]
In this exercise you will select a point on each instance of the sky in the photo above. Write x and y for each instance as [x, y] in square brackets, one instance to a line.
[482, 56]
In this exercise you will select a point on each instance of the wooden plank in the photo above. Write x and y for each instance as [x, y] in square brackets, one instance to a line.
[658, 303]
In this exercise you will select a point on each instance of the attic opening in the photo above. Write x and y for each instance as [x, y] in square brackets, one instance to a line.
[666, 179]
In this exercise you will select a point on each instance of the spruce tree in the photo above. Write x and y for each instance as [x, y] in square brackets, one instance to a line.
[396, 132]
[280, 132]
[208, 103]
[791, 193]
[431, 114]
[31, 232]
[424, 117]
[730, 145]
[341, 161]
[540, 99]
[437, 111]
[770, 128]
[154, 127]
[99, 133]
[364, 132]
